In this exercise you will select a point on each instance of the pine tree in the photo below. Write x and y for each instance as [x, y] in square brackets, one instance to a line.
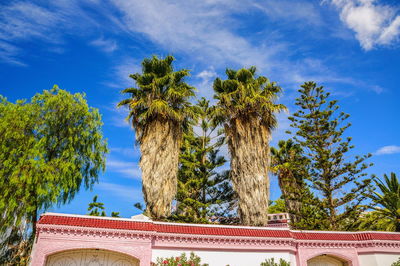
[339, 183]
[96, 208]
[115, 214]
[202, 190]
[277, 206]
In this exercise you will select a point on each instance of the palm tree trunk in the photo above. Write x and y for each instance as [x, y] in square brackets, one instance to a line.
[160, 144]
[291, 193]
[248, 143]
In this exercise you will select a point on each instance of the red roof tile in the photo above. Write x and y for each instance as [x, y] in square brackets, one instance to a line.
[223, 231]
[212, 230]
[97, 223]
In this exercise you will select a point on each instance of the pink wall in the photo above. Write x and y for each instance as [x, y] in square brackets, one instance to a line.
[52, 238]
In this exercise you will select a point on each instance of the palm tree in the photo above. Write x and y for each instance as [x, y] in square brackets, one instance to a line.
[159, 109]
[388, 201]
[246, 108]
[289, 164]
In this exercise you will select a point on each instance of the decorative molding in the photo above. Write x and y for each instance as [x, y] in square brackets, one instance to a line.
[170, 240]
[65, 230]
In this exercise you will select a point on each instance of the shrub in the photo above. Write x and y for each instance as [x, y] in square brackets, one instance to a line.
[396, 263]
[193, 260]
[271, 262]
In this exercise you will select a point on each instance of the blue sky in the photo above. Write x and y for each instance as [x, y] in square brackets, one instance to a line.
[349, 46]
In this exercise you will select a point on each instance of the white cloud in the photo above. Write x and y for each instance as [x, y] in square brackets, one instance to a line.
[22, 21]
[203, 32]
[126, 169]
[374, 23]
[297, 12]
[207, 74]
[117, 116]
[391, 149]
[106, 45]
[198, 28]
[28, 21]
[125, 192]
[204, 83]
[126, 152]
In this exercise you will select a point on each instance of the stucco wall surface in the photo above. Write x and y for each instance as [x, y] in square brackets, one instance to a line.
[382, 259]
[231, 258]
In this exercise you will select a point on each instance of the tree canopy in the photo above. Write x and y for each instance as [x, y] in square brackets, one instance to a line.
[203, 191]
[339, 182]
[161, 93]
[159, 110]
[387, 202]
[50, 147]
[246, 107]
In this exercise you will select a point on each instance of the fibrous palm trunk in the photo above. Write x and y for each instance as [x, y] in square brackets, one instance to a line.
[248, 142]
[291, 191]
[160, 144]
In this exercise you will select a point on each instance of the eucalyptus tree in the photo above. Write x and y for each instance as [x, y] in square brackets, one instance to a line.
[159, 109]
[246, 108]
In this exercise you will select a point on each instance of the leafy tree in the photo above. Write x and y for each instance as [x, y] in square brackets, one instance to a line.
[271, 262]
[339, 183]
[202, 190]
[182, 260]
[290, 165]
[159, 110]
[49, 147]
[96, 208]
[277, 206]
[396, 263]
[246, 108]
[388, 201]
[373, 220]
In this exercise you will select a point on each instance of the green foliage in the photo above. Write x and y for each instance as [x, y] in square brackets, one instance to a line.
[373, 220]
[202, 191]
[388, 201]
[49, 147]
[339, 183]
[277, 206]
[139, 206]
[245, 95]
[161, 94]
[291, 166]
[115, 214]
[271, 262]
[96, 208]
[246, 107]
[182, 260]
[396, 263]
